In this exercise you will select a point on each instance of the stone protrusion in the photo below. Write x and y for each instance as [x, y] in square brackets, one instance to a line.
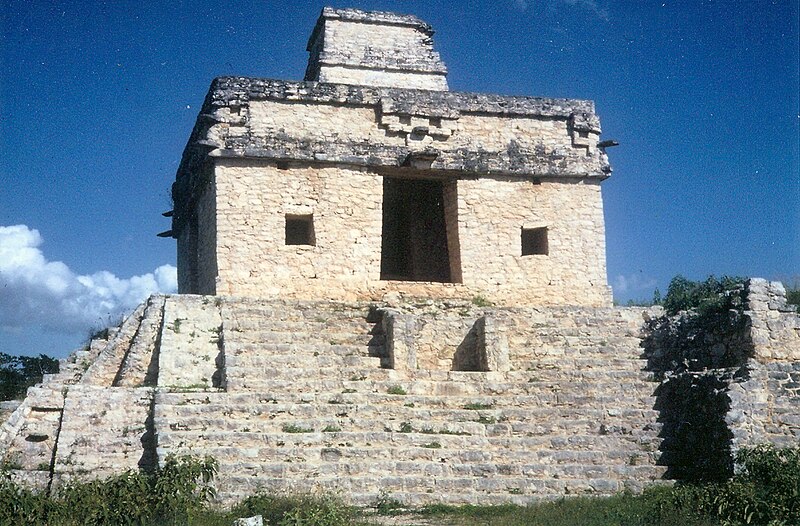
[191, 346]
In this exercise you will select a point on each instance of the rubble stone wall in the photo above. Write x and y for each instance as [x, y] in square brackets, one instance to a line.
[731, 380]
[775, 325]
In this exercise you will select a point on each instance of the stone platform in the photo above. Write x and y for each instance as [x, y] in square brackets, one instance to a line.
[420, 401]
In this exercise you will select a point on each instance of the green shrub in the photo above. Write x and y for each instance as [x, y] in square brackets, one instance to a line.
[385, 504]
[166, 497]
[396, 390]
[480, 301]
[292, 428]
[477, 406]
[766, 489]
[20, 505]
[711, 295]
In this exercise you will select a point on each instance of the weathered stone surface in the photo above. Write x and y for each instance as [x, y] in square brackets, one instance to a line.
[306, 402]
[727, 381]
[776, 325]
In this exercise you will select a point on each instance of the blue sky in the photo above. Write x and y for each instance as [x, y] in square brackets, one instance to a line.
[97, 100]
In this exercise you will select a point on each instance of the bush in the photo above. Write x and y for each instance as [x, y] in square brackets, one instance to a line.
[20, 505]
[766, 489]
[167, 496]
[706, 297]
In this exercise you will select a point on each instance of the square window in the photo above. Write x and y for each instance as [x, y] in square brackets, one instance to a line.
[300, 230]
[534, 241]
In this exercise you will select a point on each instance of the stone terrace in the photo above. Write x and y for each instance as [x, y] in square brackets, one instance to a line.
[302, 395]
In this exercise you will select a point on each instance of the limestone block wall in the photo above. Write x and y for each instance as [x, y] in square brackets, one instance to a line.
[190, 354]
[439, 336]
[252, 204]
[333, 122]
[103, 432]
[349, 46]
[764, 403]
[491, 215]
[320, 122]
[197, 262]
[496, 133]
[367, 77]
[207, 241]
[731, 380]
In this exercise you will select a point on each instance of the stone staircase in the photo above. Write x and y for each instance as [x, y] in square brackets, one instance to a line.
[307, 405]
[72, 423]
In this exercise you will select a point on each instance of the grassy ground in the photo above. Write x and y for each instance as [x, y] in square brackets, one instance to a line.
[655, 507]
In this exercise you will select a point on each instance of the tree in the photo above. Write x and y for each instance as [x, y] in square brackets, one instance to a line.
[17, 373]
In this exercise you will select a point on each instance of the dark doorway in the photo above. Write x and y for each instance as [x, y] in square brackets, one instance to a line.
[414, 244]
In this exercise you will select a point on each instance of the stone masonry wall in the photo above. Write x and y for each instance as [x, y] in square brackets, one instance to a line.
[491, 215]
[731, 379]
[455, 402]
[764, 404]
[344, 262]
[207, 241]
[469, 132]
[775, 325]
[252, 204]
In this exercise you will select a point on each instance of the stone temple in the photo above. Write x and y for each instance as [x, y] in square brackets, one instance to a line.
[371, 177]
[389, 288]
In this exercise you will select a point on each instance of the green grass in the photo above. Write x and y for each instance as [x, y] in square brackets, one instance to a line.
[654, 508]
[480, 301]
[292, 428]
[396, 390]
[476, 406]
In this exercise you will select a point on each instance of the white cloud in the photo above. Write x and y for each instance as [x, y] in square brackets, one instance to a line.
[633, 283]
[35, 292]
